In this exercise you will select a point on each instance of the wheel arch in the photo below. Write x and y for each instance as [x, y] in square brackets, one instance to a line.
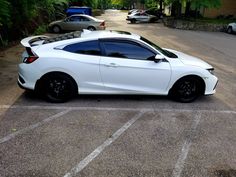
[202, 83]
[58, 25]
[92, 26]
[39, 82]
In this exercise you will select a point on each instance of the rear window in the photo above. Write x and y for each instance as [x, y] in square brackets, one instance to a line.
[86, 48]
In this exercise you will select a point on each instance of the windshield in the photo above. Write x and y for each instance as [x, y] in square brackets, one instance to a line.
[164, 52]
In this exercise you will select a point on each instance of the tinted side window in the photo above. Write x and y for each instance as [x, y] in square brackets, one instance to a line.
[87, 48]
[127, 50]
[84, 19]
[74, 18]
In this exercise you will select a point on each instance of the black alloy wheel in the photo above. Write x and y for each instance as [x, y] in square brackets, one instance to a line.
[58, 87]
[186, 90]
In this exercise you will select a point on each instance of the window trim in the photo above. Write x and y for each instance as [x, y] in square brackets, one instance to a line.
[97, 40]
[125, 40]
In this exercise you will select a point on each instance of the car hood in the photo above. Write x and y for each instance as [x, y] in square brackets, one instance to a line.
[55, 22]
[190, 60]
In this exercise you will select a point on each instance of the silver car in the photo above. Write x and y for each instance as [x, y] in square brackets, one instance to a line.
[77, 23]
[231, 28]
[141, 17]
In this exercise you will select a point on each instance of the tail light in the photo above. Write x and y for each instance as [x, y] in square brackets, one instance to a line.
[102, 24]
[30, 59]
[32, 56]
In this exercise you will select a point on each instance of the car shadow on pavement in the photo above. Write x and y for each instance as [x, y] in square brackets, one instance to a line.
[126, 101]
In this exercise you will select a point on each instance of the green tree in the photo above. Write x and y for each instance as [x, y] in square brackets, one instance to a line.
[208, 4]
[4, 12]
[196, 4]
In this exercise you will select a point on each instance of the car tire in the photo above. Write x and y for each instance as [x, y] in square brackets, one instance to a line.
[230, 30]
[133, 21]
[91, 28]
[152, 20]
[186, 90]
[58, 87]
[56, 29]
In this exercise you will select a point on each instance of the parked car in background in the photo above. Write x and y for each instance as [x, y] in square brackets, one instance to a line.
[156, 12]
[141, 17]
[133, 11]
[77, 23]
[110, 62]
[231, 28]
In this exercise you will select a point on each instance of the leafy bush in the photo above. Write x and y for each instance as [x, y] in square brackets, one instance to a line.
[41, 29]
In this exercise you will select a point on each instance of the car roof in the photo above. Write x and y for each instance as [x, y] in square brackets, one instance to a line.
[108, 34]
[81, 36]
[76, 15]
[87, 16]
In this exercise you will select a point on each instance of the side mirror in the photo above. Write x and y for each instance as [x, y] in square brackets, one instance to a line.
[158, 58]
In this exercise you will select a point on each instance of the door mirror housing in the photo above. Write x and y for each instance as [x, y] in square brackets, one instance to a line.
[158, 58]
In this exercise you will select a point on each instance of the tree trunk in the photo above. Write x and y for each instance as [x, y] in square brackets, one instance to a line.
[161, 5]
[187, 9]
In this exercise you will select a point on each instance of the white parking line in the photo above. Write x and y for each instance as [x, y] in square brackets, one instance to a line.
[81, 165]
[113, 109]
[179, 166]
[31, 127]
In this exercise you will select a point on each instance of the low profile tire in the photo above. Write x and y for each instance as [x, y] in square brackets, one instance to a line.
[91, 28]
[58, 87]
[56, 29]
[186, 90]
[230, 30]
[133, 21]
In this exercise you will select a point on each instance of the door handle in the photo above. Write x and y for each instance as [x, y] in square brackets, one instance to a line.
[111, 65]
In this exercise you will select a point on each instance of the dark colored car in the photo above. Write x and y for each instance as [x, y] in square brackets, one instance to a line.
[156, 12]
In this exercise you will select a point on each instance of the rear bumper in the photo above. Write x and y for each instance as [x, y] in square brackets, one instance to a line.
[27, 79]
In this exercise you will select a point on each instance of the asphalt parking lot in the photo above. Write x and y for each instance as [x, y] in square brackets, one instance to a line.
[123, 136]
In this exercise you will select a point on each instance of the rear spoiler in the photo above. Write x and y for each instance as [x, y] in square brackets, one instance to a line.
[28, 42]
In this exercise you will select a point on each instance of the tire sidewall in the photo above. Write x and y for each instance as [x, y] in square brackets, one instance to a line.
[91, 28]
[48, 94]
[175, 91]
[229, 30]
[56, 29]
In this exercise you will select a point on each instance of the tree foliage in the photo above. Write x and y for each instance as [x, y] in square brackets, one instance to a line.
[4, 12]
[208, 4]
[18, 17]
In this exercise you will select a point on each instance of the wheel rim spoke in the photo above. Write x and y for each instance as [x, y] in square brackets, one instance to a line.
[187, 90]
[58, 88]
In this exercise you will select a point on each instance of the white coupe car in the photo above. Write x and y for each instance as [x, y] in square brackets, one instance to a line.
[110, 62]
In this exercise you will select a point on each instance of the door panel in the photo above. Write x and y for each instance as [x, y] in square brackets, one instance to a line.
[134, 76]
[86, 57]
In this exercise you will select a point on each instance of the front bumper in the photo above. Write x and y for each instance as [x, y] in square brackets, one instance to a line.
[211, 84]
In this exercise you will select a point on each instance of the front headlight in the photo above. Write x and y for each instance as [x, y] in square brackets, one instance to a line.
[211, 70]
